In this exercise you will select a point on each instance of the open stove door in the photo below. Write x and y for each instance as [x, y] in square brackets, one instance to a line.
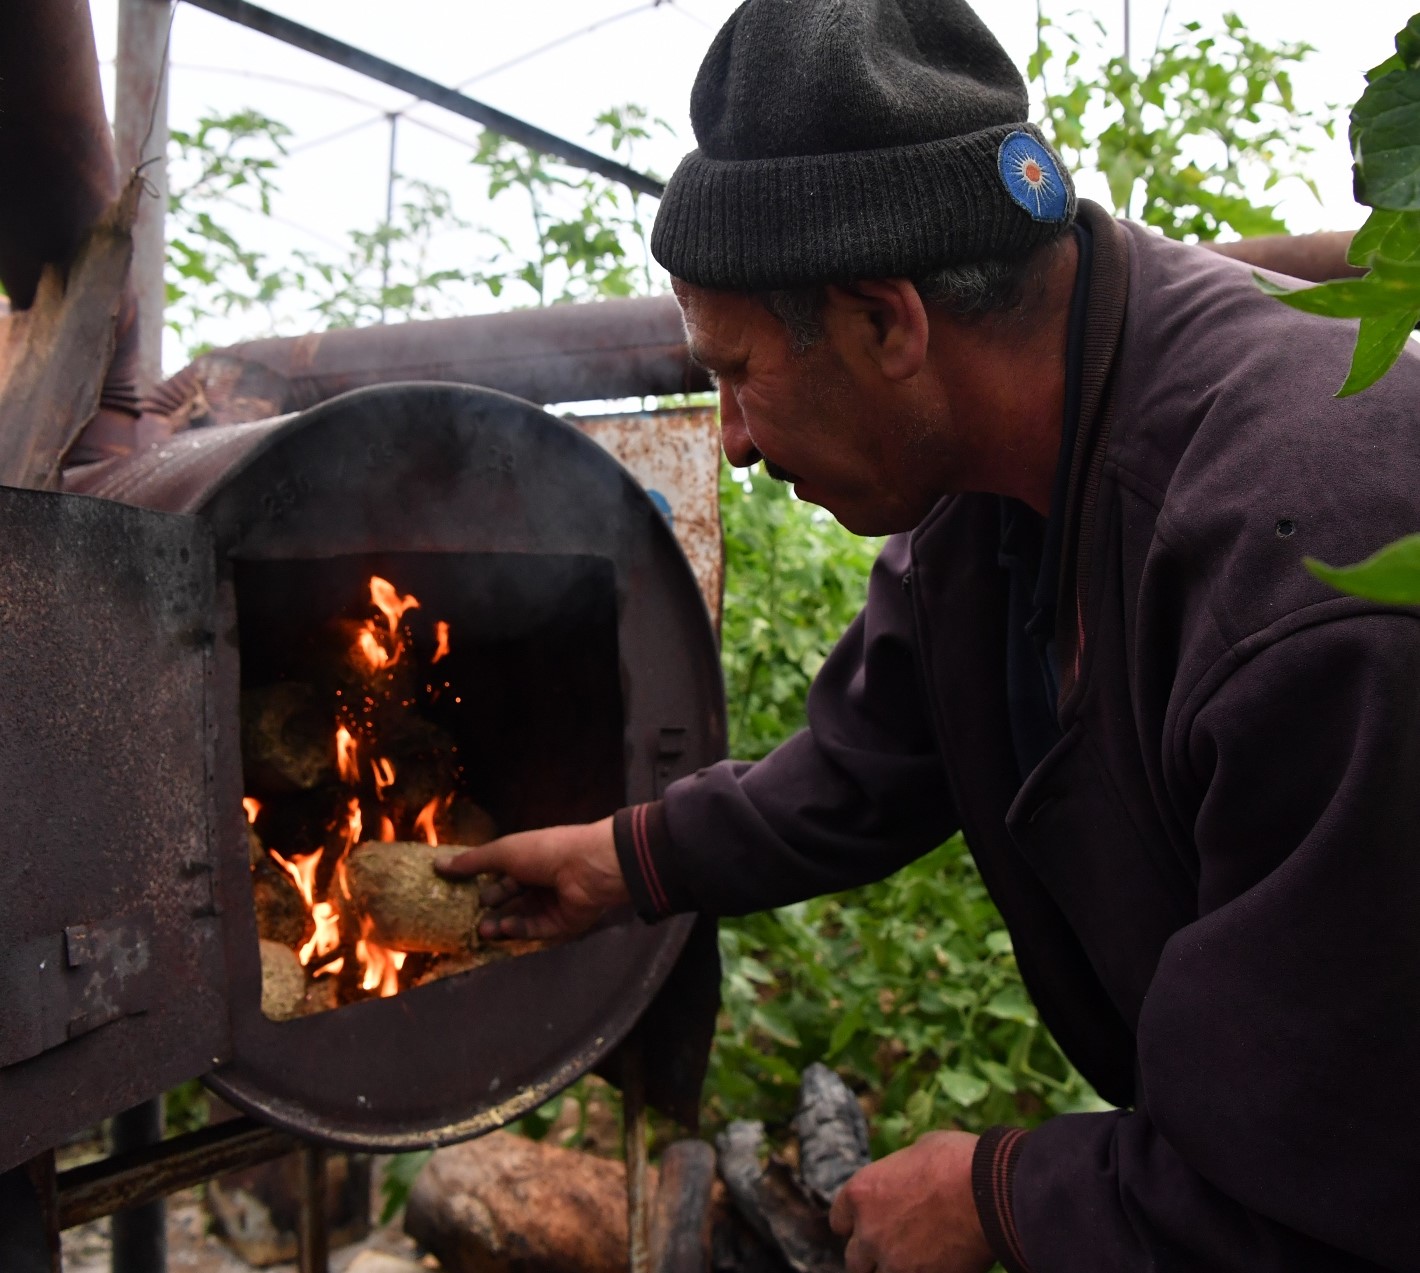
[112, 981]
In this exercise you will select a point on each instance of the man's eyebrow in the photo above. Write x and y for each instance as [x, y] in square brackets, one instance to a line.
[708, 362]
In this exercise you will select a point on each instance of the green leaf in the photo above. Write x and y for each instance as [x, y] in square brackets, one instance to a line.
[400, 1174]
[771, 1018]
[1391, 576]
[1380, 341]
[919, 1109]
[845, 1029]
[1012, 1004]
[1389, 234]
[1407, 43]
[1385, 139]
[999, 1075]
[962, 1086]
[999, 942]
[1385, 291]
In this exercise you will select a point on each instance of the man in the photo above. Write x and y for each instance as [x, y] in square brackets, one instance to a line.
[1189, 772]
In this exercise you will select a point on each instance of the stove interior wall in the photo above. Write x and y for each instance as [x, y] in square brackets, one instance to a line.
[530, 689]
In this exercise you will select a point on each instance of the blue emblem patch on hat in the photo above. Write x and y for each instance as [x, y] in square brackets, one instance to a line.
[1031, 178]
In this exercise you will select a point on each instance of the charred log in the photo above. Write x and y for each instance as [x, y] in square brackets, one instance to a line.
[770, 1200]
[281, 913]
[832, 1132]
[287, 739]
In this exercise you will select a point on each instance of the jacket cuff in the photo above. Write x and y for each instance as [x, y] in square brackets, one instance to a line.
[993, 1174]
[641, 838]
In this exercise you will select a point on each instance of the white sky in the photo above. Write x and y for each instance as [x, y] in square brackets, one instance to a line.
[648, 57]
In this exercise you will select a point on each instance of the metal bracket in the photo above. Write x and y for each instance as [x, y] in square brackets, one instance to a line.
[113, 961]
[59, 987]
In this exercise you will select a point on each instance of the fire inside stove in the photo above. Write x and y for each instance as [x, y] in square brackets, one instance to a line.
[394, 709]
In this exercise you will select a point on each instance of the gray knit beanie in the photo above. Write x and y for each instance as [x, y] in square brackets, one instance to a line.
[848, 139]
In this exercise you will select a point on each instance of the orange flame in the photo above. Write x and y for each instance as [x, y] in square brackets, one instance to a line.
[381, 965]
[381, 642]
[369, 644]
[353, 824]
[347, 752]
[386, 599]
[303, 871]
[424, 823]
[327, 935]
[381, 649]
[384, 776]
[441, 632]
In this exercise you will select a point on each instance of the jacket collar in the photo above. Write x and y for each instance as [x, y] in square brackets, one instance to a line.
[1104, 322]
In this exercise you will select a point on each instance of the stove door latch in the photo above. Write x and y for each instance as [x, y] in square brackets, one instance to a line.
[58, 988]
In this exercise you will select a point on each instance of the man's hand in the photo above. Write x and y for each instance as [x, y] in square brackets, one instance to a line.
[912, 1212]
[559, 881]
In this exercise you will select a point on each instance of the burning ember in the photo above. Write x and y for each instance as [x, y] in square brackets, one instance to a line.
[344, 773]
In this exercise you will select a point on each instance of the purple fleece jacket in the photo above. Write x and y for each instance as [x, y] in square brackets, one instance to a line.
[1213, 880]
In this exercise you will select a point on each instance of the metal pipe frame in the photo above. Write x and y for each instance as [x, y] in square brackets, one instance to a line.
[139, 1235]
[376, 68]
[141, 1176]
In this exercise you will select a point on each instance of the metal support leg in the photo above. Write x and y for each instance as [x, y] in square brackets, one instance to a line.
[633, 1113]
[140, 1234]
[314, 1239]
[29, 1224]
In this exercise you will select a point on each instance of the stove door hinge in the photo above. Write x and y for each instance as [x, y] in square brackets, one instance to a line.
[670, 748]
[204, 877]
[59, 987]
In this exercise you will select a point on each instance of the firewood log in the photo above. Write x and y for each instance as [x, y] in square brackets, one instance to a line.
[281, 914]
[393, 887]
[288, 740]
[465, 823]
[283, 982]
[503, 1204]
[682, 1214]
[425, 759]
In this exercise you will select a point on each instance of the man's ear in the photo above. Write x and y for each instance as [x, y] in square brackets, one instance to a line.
[883, 320]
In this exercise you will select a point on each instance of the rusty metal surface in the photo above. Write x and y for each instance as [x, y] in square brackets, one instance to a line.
[112, 973]
[675, 456]
[131, 1180]
[565, 353]
[55, 147]
[439, 470]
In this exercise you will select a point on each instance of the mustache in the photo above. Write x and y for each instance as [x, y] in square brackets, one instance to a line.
[779, 473]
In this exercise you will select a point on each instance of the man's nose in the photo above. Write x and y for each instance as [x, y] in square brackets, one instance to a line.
[734, 435]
